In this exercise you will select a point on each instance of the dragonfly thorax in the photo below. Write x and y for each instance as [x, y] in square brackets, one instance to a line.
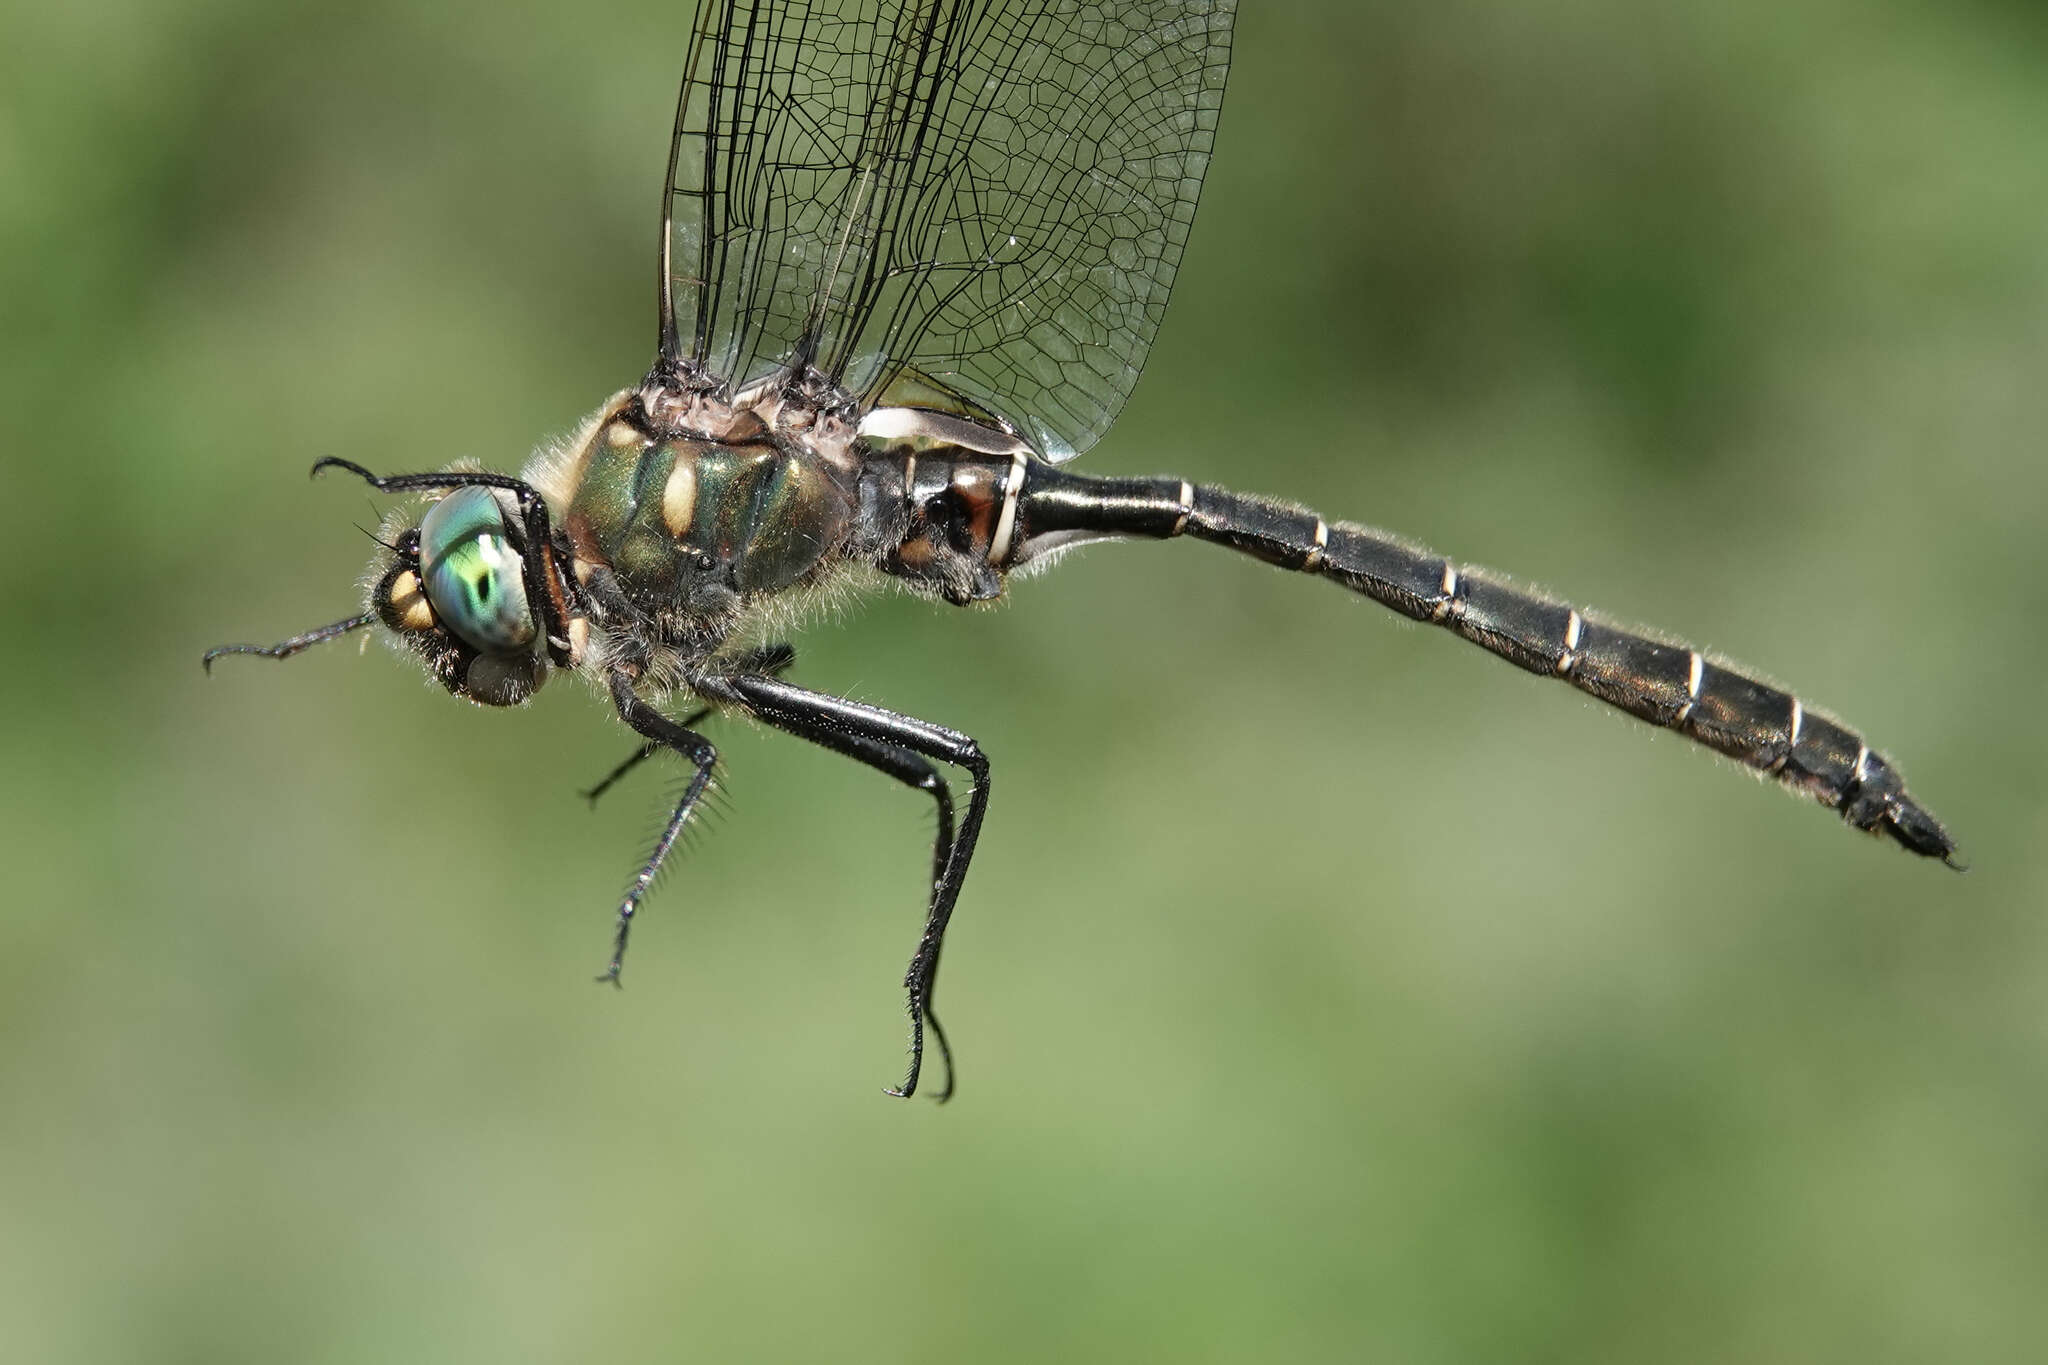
[698, 524]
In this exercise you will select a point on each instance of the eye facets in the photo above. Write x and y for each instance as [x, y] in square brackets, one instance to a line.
[473, 575]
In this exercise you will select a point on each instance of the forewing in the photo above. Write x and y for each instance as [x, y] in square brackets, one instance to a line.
[987, 200]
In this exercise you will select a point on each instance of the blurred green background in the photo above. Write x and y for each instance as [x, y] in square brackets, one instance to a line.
[1325, 989]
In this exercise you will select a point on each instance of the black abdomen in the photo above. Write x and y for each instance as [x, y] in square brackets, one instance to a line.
[1669, 684]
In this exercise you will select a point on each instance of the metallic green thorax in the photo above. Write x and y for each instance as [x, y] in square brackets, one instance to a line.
[704, 524]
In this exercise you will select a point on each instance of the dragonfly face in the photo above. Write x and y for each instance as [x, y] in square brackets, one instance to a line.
[912, 257]
[454, 590]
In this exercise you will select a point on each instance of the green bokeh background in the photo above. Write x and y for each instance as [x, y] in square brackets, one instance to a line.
[1325, 990]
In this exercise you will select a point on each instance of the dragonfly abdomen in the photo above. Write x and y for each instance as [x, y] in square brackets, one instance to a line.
[1709, 700]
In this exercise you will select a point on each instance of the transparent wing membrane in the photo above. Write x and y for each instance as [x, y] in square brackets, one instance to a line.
[940, 199]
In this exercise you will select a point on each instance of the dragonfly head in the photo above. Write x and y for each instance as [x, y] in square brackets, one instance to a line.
[453, 590]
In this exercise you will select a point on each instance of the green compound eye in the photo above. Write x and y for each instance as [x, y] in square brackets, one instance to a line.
[474, 578]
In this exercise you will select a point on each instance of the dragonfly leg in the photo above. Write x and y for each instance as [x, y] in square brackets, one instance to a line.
[634, 760]
[900, 747]
[914, 771]
[298, 644]
[773, 659]
[664, 733]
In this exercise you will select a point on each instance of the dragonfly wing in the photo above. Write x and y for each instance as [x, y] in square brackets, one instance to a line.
[987, 200]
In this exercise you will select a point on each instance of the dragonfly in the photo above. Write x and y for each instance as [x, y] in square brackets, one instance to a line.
[911, 257]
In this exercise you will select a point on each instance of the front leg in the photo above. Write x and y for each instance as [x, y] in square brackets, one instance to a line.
[772, 659]
[890, 742]
[664, 733]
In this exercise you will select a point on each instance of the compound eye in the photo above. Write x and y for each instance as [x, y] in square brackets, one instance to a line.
[474, 576]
